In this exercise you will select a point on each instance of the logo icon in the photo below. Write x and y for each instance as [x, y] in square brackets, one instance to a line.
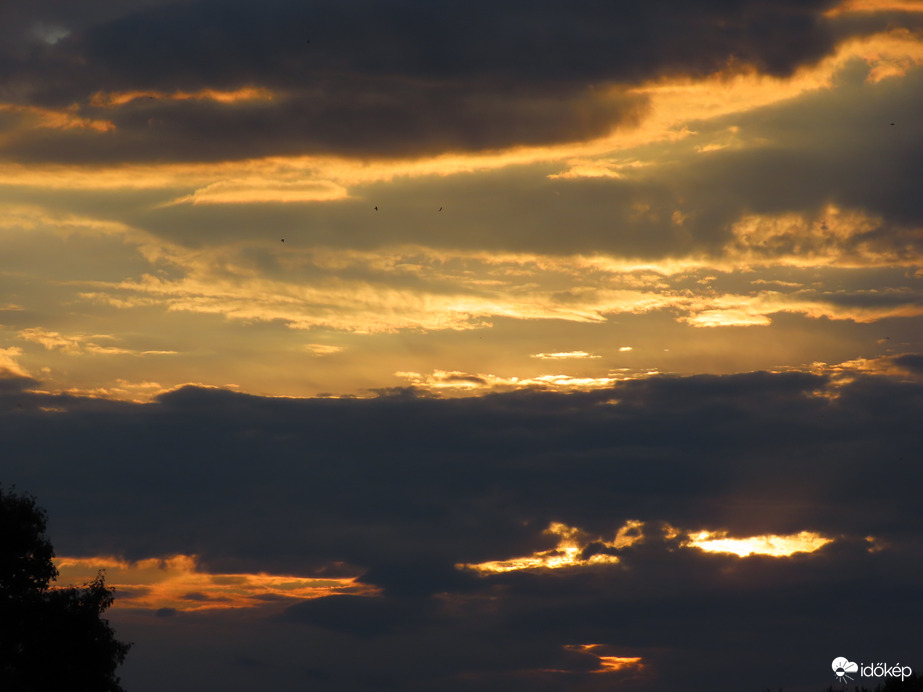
[842, 666]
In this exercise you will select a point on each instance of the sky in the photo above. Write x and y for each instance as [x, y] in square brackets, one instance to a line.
[483, 345]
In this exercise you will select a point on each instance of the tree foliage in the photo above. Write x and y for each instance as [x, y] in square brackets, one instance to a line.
[51, 638]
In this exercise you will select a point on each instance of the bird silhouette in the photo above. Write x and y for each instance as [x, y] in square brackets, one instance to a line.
[376, 208]
[440, 208]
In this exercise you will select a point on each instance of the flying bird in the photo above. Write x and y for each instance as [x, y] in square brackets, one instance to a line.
[440, 208]
[376, 208]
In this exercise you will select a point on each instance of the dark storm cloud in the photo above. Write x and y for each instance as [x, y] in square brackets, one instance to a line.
[389, 78]
[405, 488]
[279, 43]
[444, 481]
[711, 618]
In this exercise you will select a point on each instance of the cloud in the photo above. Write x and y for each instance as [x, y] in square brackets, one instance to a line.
[168, 582]
[403, 489]
[346, 87]
[564, 355]
[9, 364]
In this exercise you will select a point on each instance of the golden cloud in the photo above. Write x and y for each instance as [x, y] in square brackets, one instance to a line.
[177, 582]
[770, 545]
[570, 551]
[577, 549]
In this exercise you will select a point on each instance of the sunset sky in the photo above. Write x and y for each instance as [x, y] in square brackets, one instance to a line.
[483, 345]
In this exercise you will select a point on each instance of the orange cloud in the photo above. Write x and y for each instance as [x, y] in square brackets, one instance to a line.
[176, 582]
[867, 6]
[35, 117]
[111, 99]
[569, 552]
[608, 663]
[577, 549]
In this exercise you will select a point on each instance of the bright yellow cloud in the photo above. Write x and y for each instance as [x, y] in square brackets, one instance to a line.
[9, 362]
[572, 542]
[564, 355]
[770, 545]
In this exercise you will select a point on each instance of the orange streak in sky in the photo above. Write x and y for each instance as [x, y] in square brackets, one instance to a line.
[66, 119]
[854, 6]
[176, 582]
[111, 99]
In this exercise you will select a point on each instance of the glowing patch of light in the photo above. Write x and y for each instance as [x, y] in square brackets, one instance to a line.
[769, 545]
[322, 349]
[449, 382]
[176, 582]
[572, 543]
[855, 6]
[727, 318]
[565, 354]
[608, 663]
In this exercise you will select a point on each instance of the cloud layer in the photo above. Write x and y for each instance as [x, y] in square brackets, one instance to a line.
[405, 489]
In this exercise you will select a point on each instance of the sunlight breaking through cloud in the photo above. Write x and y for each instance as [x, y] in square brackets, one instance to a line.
[570, 551]
[769, 545]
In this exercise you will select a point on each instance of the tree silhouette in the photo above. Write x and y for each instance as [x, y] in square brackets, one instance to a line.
[51, 638]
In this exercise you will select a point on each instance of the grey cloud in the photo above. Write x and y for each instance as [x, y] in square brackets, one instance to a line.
[406, 487]
[673, 449]
[365, 118]
[357, 615]
[912, 362]
[365, 78]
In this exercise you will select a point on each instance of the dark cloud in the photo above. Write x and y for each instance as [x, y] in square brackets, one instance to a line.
[407, 487]
[366, 78]
[449, 481]
[223, 43]
[357, 615]
[910, 361]
[364, 118]
[198, 596]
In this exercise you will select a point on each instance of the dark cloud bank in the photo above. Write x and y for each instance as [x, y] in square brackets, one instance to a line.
[374, 78]
[404, 487]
